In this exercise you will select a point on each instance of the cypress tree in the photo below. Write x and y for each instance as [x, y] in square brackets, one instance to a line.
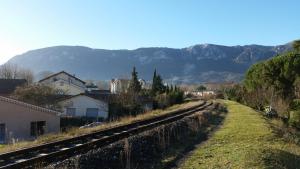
[167, 89]
[157, 84]
[135, 85]
[172, 89]
[154, 83]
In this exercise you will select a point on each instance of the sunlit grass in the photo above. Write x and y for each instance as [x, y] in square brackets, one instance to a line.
[244, 141]
[76, 131]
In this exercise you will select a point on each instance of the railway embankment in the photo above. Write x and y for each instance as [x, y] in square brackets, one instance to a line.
[160, 147]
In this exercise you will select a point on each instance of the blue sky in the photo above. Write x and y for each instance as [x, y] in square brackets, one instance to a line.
[130, 24]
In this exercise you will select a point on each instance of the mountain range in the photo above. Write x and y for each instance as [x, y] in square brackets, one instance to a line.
[195, 64]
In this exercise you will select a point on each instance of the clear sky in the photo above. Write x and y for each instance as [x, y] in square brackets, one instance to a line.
[130, 24]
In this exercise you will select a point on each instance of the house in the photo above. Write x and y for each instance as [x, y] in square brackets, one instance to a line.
[22, 121]
[143, 83]
[82, 105]
[119, 85]
[103, 95]
[66, 82]
[201, 94]
[218, 86]
[91, 87]
[8, 86]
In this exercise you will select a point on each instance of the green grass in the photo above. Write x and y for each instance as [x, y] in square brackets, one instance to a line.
[245, 140]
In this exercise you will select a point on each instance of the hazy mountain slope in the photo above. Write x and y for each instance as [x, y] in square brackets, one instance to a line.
[191, 65]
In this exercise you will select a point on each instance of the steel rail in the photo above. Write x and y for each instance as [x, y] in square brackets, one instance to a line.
[60, 150]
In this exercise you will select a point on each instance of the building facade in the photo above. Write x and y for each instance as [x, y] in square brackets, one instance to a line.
[22, 121]
[119, 85]
[84, 106]
[67, 83]
[122, 85]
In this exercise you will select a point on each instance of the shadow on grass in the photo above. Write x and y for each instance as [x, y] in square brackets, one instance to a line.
[215, 121]
[280, 159]
[282, 130]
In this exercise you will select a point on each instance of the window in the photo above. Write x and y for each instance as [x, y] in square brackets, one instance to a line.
[37, 128]
[71, 111]
[61, 83]
[92, 112]
[60, 91]
[2, 133]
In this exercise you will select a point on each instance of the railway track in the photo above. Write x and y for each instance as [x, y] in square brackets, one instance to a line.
[56, 151]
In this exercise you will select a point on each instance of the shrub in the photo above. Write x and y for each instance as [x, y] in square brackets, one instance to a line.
[294, 120]
[168, 99]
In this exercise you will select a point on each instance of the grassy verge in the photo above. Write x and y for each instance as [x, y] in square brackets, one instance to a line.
[245, 140]
[181, 148]
[76, 132]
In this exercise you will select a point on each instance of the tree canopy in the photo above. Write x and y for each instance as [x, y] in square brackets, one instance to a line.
[201, 88]
[134, 86]
[278, 73]
[157, 84]
[296, 45]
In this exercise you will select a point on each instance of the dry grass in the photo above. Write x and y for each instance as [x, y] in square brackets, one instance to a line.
[76, 131]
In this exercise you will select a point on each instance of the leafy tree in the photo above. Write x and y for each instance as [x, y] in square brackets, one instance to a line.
[134, 85]
[40, 95]
[201, 88]
[278, 73]
[296, 45]
[274, 82]
[297, 87]
[124, 104]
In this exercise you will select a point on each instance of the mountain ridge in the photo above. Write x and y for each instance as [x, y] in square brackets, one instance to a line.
[194, 64]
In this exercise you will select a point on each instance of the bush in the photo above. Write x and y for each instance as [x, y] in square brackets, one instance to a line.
[294, 120]
[295, 105]
[40, 95]
[125, 104]
[168, 99]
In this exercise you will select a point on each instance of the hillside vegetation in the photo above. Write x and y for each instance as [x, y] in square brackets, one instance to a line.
[246, 140]
[274, 83]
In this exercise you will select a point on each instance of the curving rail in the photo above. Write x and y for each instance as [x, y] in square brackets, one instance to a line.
[56, 151]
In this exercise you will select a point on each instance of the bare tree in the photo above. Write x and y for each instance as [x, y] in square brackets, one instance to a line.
[12, 71]
[26, 74]
[9, 71]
